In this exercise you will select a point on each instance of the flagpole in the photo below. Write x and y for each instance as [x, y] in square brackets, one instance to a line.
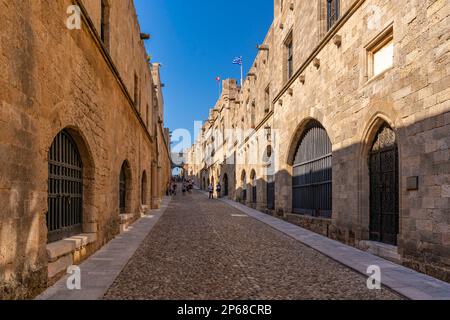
[242, 73]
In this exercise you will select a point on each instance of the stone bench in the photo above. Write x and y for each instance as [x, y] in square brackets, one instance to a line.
[64, 253]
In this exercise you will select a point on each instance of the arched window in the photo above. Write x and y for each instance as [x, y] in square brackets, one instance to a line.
[384, 187]
[65, 188]
[144, 188]
[312, 173]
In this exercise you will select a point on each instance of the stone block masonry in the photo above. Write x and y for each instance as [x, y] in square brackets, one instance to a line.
[344, 141]
[94, 89]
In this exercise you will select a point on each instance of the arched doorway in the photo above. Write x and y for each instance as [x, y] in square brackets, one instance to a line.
[384, 187]
[312, 173]
[124, 187]
[244, 186]
[270, 178]
[254, 184]
[65, 188]
[144, 188]
[225, 185]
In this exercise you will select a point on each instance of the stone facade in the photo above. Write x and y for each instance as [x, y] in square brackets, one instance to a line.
[331, 83]
[96, 84]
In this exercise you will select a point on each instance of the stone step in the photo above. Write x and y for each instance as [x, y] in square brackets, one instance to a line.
[383, 250]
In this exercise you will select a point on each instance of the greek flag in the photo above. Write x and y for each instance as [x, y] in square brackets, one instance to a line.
[238, 60]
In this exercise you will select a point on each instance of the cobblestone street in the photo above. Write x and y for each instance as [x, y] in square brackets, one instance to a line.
[205, 249]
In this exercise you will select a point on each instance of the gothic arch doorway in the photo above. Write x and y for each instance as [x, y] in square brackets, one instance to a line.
[384, 187]
[244, 186]
[225, 185]
[268, 160]
[254, 186]
[144, 188]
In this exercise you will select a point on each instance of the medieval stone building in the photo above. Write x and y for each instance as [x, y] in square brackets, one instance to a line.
[83, 151]
[342, 126]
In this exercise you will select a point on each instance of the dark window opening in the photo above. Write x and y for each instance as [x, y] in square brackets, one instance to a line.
[136, 92]
[267, 100]
[290, 57]
[144, 189]
[104, 24]
[123, 189]
[332, 13]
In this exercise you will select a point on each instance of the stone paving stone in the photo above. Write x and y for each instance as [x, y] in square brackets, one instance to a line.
[199, 250]
[407, 282]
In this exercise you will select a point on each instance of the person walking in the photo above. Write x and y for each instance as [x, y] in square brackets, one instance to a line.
[211, 191]
[218, 189]
[183, 189]
[174, 189]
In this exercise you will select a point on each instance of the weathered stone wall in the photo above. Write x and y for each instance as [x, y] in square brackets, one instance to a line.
[52, 79]
[331, 85]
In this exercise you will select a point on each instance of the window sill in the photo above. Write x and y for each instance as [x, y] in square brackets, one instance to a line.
[378, 76]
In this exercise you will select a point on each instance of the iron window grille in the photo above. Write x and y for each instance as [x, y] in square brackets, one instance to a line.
[312, 173]
[65, 189]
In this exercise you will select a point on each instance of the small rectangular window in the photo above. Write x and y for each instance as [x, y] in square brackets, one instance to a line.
[136, 91]
[267, 100]
[148, 116]
[290, 57]
[380, 54]
[383, 59]
[332, 12]
[104, 23]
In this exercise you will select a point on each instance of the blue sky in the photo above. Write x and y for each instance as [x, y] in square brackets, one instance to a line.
[196, 41]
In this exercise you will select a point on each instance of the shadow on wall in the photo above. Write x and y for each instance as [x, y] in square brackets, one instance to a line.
[21, 214]
[423, 153]
[392, 187]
